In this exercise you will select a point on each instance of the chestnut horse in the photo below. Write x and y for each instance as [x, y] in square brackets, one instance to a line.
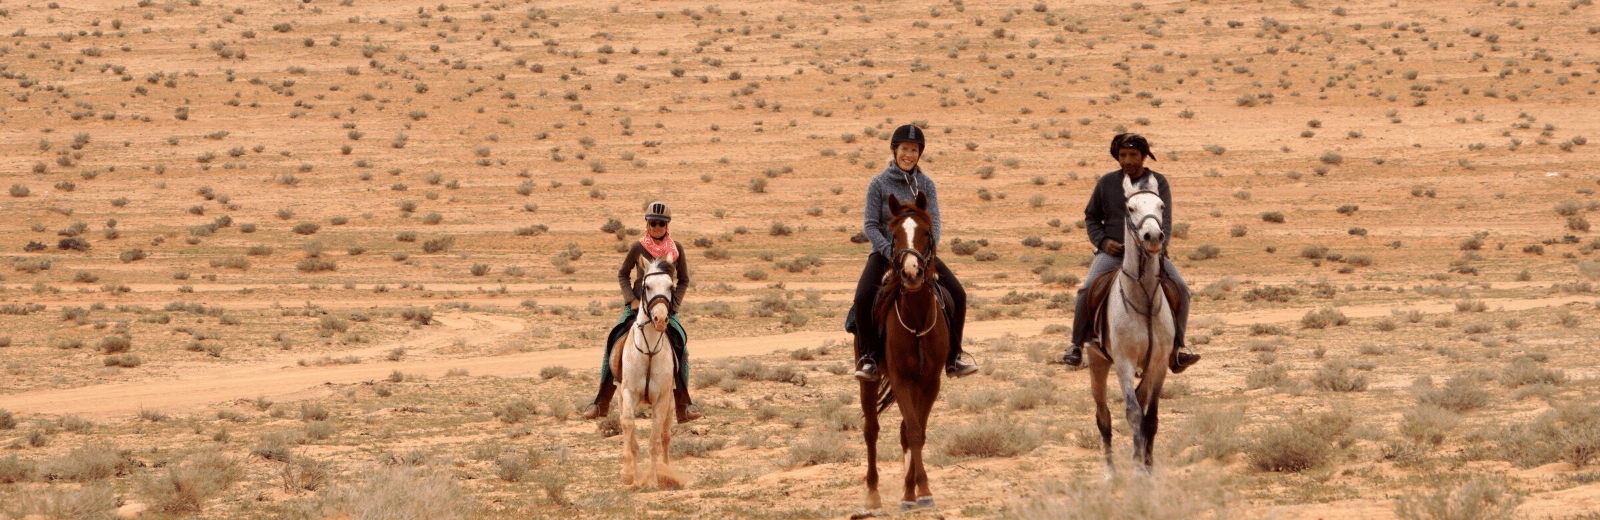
[643, 361]
[1136, 336]
[917, 340]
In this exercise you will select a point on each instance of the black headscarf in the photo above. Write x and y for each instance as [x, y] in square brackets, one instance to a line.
[1134, 141]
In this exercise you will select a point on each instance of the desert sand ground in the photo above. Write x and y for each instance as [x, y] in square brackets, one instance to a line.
[303, 259]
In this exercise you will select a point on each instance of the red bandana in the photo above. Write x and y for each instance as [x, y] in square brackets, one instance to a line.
[663, 250]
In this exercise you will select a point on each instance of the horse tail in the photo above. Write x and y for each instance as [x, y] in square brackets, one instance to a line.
[885, 397]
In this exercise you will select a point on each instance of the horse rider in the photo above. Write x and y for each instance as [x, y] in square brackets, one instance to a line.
[1104, 217]
[656, 244]
[903, 179]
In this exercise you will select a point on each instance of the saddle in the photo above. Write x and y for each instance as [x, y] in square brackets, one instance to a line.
[1099, 295]
[675, 337]
[944, 307]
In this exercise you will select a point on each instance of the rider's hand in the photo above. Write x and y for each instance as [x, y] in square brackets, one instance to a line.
[634, 304]
[1113, 248]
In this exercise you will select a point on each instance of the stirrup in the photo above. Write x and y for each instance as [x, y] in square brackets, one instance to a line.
[960, 368]
[868, 370]
[1182, 360]
[1073, 356]
[591, 411]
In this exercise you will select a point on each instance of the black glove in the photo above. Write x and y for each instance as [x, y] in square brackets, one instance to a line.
[1112, 247]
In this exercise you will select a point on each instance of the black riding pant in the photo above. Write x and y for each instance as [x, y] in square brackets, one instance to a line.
[867, 292]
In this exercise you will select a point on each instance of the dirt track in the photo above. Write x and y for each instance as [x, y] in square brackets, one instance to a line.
[281, 380]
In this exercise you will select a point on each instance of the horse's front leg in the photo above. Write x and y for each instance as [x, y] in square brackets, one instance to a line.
[1099, 368]
[630, 443]
[665, 416]
[1130, 396]
[869, 430]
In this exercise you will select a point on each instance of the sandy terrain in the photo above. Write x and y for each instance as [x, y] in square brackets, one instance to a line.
[362, 241]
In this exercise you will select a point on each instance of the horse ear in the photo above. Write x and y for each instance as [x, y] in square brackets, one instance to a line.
[922, 201]
[1127, 186]
[894, 205]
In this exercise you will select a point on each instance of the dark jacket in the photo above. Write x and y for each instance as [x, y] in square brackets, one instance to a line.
[631, 275]
[875, 214]
[1106, 214]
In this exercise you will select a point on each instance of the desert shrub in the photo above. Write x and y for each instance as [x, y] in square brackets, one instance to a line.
[1479, 499]
[438, 245]
[1427, 424]
[1525, 371]
[185, 488]
[821, 449]
[1314, 252]
[1459, 394]
[394, 493]
[1271, 375]
[8, 421]
[516, 411]
[313, 412]
[1323, 318]
[991, 437]
[1304, 443]
[963, 248]
[1335, 376]
[1214, 433]
[552, 372]
[1159, 496]
[1205, 252]
[131, 255]
[306, 228]
[91, 462]
[698, 446]
[314, 265]
[1275, 217]
[115, 344]
[13, 470]
[755, 274]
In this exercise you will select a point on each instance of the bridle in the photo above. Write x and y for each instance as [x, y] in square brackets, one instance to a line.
[924, 258]
[640, 344]
[1149, 294]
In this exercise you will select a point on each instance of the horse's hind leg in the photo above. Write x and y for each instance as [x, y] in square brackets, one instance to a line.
[869, 429]
[1098, 369]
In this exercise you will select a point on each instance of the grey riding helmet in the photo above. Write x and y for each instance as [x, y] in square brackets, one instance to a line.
[658, 211]
[909, 134]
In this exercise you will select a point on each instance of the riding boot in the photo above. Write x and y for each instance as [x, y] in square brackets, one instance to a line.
[1074, 355]
[955, 366]
[1080, 331]
[601, 406]
[687, 410]
[867, 367]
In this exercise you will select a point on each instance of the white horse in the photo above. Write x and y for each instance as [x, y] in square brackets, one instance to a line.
[644, 364]
[1138, 331]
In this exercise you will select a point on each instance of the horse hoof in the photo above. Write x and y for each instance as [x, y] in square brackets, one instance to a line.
[907, 506]
[925, 502]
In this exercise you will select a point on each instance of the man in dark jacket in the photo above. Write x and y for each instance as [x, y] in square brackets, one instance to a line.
[1105, 219]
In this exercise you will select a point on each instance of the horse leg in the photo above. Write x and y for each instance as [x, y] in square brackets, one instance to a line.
[912, 437]
[1098, 369]
[630, 444]
[925, 412]
[1150, 398]
[869, 429]
[1130, 395]
[665, 415]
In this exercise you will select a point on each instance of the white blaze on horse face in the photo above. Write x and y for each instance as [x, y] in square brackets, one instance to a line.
[909, 227]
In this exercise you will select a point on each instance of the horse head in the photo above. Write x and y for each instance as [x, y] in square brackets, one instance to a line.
[912, 229]
[1145, 213]
[660, 279]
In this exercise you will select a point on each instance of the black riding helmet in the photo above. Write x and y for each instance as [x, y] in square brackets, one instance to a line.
[1134, 141]
[909, 134]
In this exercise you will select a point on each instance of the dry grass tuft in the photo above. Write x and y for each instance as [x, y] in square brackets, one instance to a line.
[1477, 499]
[187, 487]
[1159, 496]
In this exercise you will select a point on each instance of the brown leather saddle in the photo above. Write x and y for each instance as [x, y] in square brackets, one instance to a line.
[1099, 295]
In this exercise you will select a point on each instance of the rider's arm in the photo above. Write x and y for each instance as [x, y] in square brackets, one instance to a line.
[625, 274]
[872, 219]
[1094, 218]
[933, 210]
[682, 284]
[1165, 190]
